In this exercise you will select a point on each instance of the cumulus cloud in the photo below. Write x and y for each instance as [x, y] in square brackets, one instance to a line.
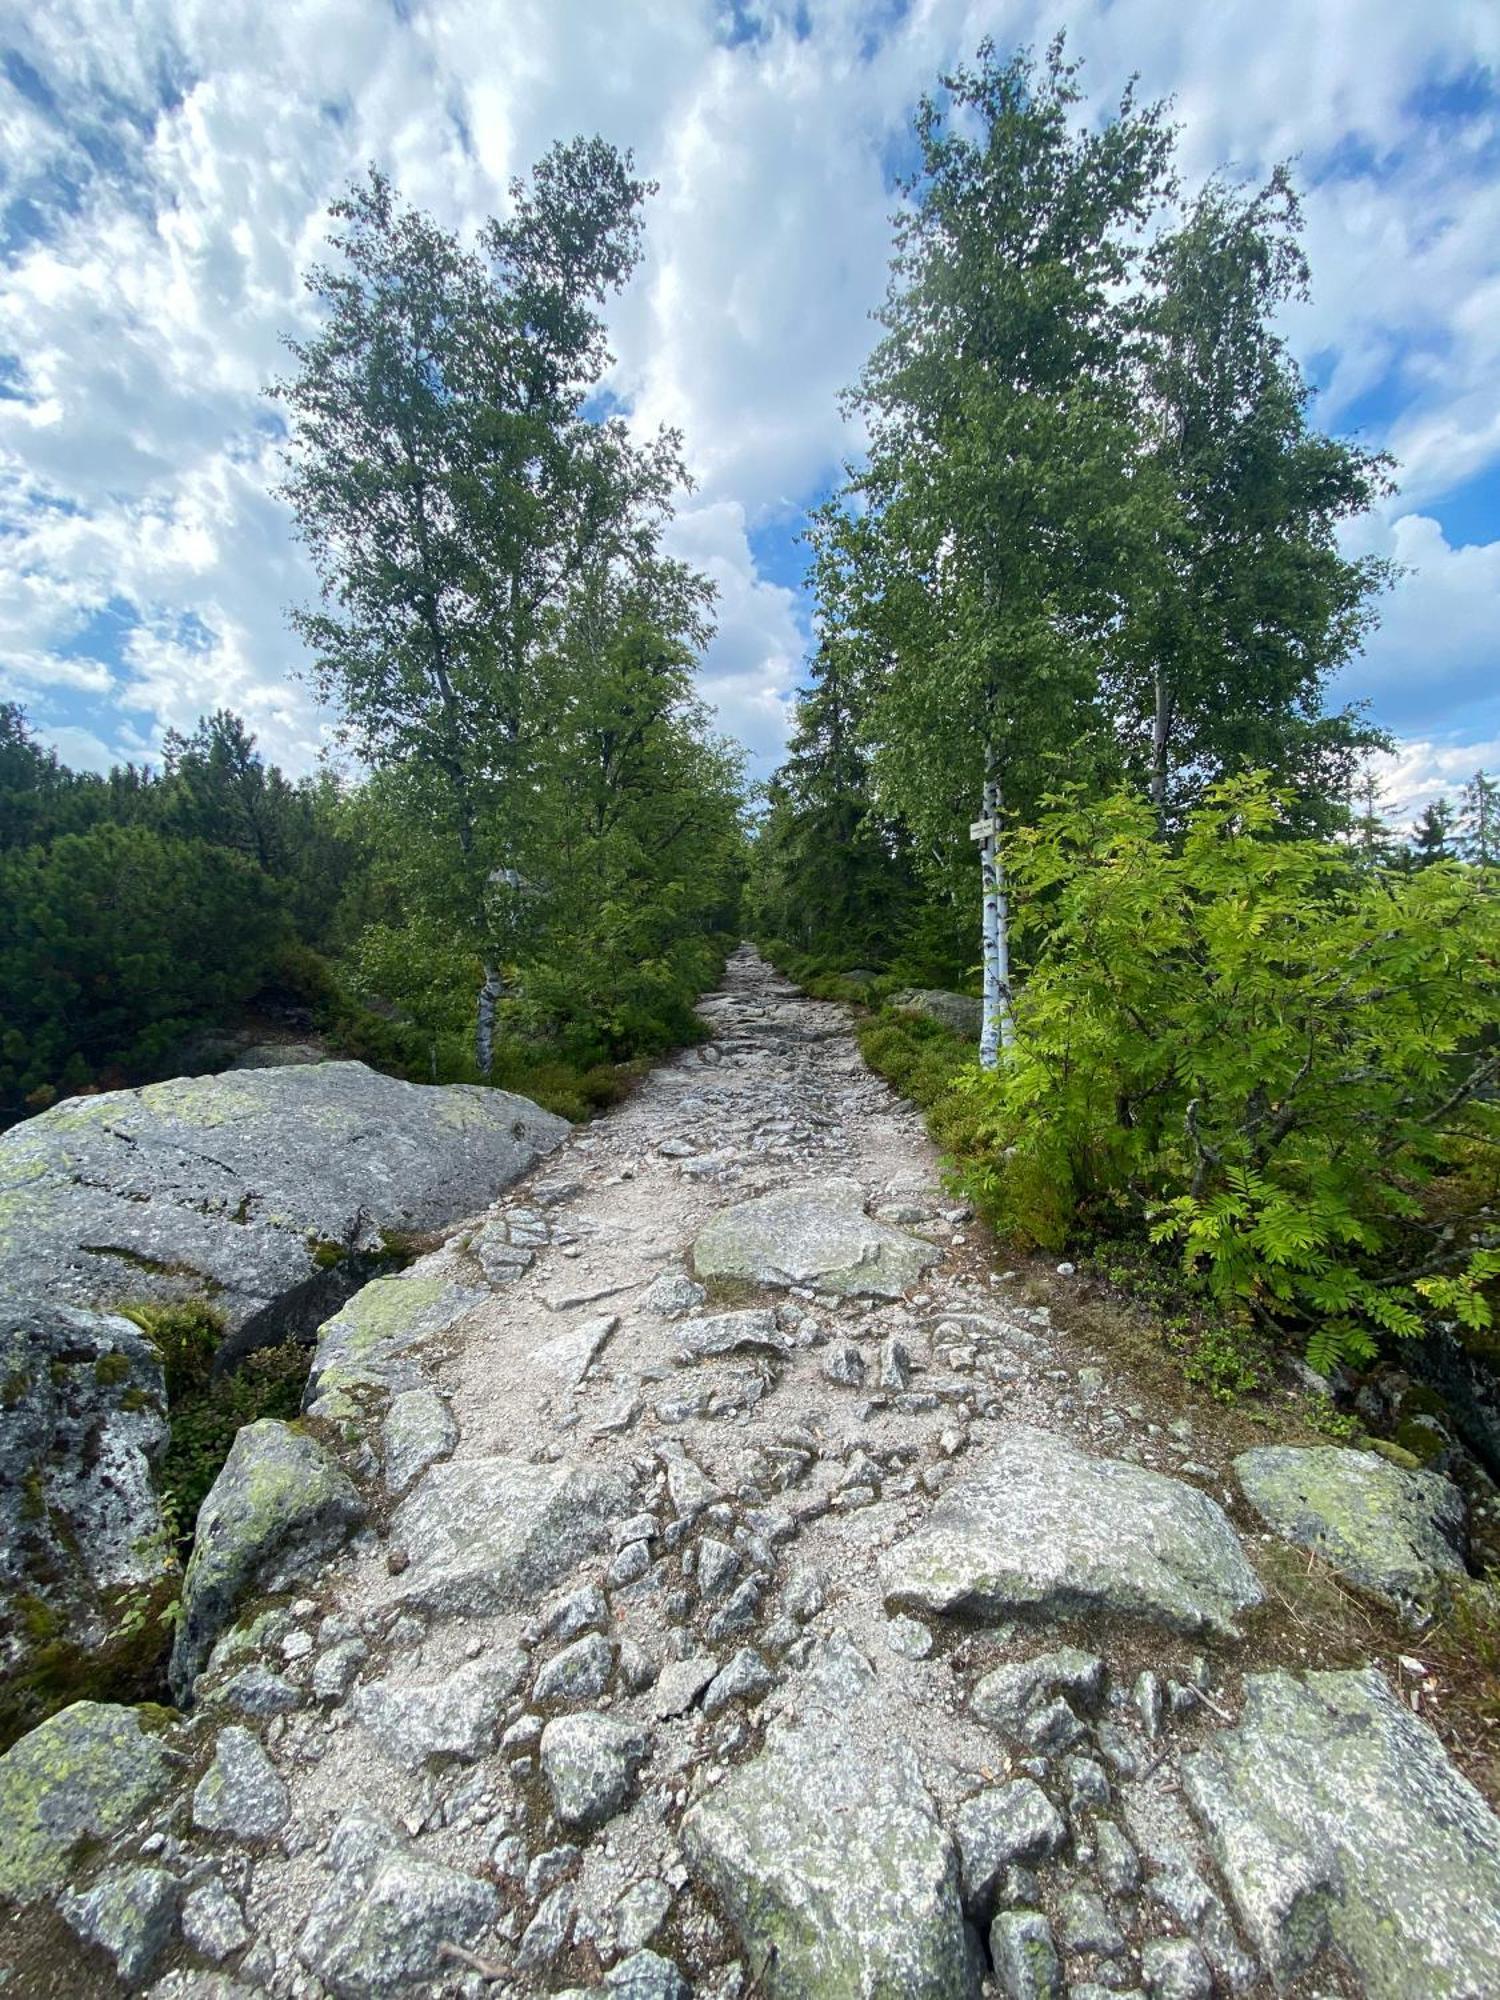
[170, 167]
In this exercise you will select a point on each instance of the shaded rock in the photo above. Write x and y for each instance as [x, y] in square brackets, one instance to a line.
[1339, 1824]
[1016, 1698]
[335, 1670]
[997, 1828]
[495, 1534]
[672, 1293]
[545, 1938]
[419, 1430]
[227, 1185]
[213, 1924]
[1086, 1926]
[645, 1975]
[258, 1692]
[1026, 1964]
[383, 1926]
[82, 1425]
[954, 1011]
[452, 1718]
[680, 1683]
[130, 1913]
[816, 1236]
[1048, 1529]
[371, 1349]
[280, 1504]
[580, 1672]
[1395, 1532]
[844, 1364]
[830, 1863]
[589, 1762]
[83, 1775]
[746, 1678]
[241, 1793]
[641, 1912]
[731, 1332]
[1175, 1969]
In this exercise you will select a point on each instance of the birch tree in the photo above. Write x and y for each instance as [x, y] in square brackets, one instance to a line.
[450, 486]
[982, 546]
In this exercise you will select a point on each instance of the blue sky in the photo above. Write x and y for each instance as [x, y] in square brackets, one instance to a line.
[164, 173]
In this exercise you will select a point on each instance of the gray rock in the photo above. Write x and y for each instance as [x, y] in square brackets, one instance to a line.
[997, 1828]
[730, 1333]
[241, 1793]
[583, 1610]
[372, 1348]
[279, 1506]
[746, 1678]
[1175, 1969]
[718, 1566]
[589, 1762]
[82, 1776]
[829, 1862]
[645, 1975]
[382, 1928]
[680, 1683]
[419, 1430]
[257, 1692]
[1116, 1860]
[1086, 1926]
[227, 1185]
[641, 1912]
[213, 1923]
[1025, 1957]
[1016, 1698]
[82, 1425]
[580, 1672]
[1393, 1531]
[817, 1236]
[1339, 1823]
[908, 1636]
[844, 1364]
[495, 1534]
[672, 1293]
[629, 1566]
[546, 1936]
[1047, 1529]
[457, 1718]
[130, 1913]
[334, 1671]
[957, 1012]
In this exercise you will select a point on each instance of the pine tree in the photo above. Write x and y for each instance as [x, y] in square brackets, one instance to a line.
[1432, 835]
[1479, 821]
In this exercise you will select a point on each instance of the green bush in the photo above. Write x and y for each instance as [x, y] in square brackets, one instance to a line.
[268, 1383]
[1275, 1057]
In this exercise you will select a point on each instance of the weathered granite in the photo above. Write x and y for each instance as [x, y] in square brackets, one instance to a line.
[817, 1235]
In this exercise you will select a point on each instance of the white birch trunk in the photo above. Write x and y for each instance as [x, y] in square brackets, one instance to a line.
[998, 1028]
[484, 1029]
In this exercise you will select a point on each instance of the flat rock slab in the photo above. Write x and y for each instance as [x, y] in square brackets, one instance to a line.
[495, 1534]
[229, 1184]
[817, 1236]
[80, 1778]
[1049, 1530]
[828, 1859]
[1340, 1824]
[1393, 1531]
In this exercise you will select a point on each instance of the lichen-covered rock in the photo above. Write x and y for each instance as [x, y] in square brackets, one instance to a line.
[1393, 1531]
[383, 1923]
[817, 1236]
[997, 1828]
[827, 1857]
[82, 1424]
[1340, 1824]
[371, 1349]
[455, 1718]
[1048, 1529]
[229, 1184]
[241, 1793]
[495, 1534]
[84, 1775]
[419, 1430]
[958, 1012]
[646, 1975]
[280, 1504]
[129, 1913]
[1015, 1698]
[1026, 1961]
[589, 1762]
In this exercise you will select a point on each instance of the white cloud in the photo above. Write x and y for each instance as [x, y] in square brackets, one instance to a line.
[147, 314]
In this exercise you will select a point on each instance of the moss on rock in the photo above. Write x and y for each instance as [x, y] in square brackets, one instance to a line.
[82, 1776]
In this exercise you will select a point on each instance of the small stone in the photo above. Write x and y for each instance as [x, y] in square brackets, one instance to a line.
[1087, 1783]
[241, 1793]
[680, 1683]
[258, 1692]
[453, 1718]
[589, 1762]
[641, 1912]
[549, 1868]
[585, 1610]
[1015, 1698]
[629, 1566]
[637, 1668]
[844, 1364]
[894, 1373]
[1025, 1957]
[908, 1636]
[334, 1672]
[994, 1828]
[1175, 1969]
[672, 1293]
[804, 1596]
[1086, 1926]
[373, 1935]
[738, 1614]
[129, 1914]
[581, 1672]
[1115, 1859]
[746, 1678]
[718, 1566]
[212, 1922]
[645, 1975]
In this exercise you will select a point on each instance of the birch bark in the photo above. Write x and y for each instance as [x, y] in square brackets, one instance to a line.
[998, 1028]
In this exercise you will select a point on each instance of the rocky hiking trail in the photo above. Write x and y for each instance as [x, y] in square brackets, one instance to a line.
[702, 1574]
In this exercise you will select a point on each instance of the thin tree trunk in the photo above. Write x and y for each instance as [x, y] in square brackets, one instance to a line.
[998, 1028]
[492, 987]
[1161, 731]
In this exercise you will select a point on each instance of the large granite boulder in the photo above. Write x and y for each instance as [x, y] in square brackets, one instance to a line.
[370, 1350]
[82, 1423]
[280, 1504]
[77, 1780]
[243, 1186]
[493, 1534]
[827, 1856]
[816, 1236]
[955, 1011]
[1047, 1530]
[1395, 1532]
[1340, 1825]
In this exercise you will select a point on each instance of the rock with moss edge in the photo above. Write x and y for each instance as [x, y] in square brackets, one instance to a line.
[82, 1777]
[280, 1505]
[818, 1236]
